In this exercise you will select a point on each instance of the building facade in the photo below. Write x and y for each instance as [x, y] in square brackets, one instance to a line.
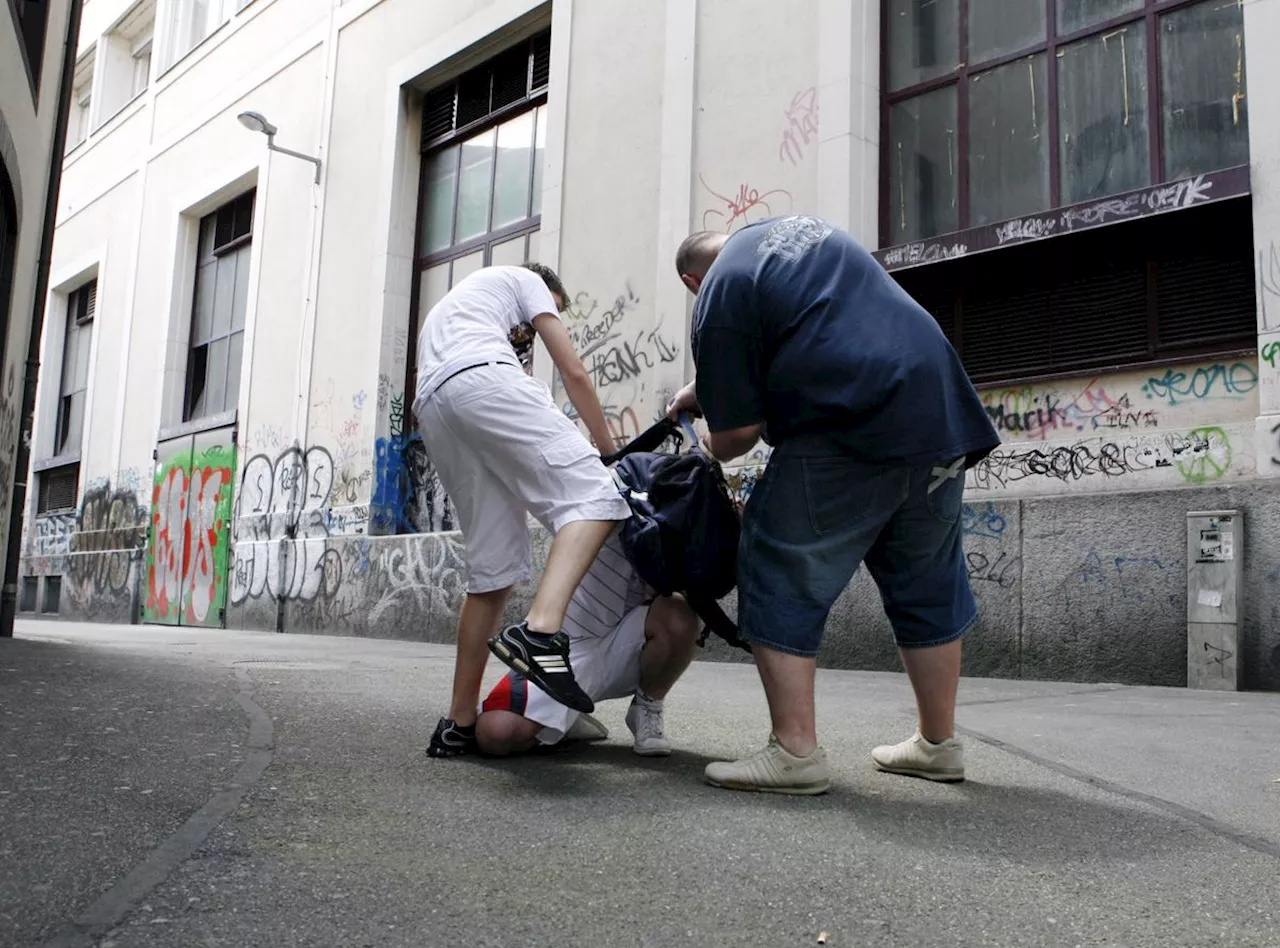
[1083, 194]
[35, 37]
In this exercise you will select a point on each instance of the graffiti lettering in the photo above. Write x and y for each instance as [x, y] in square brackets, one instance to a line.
[1200, 456]
[282, 548]
[1030, 228]
[1002, 571]
[1269, 286]
[109, 536]
[802, 125]
[983, 522]
[1206, 382]
[923, 253]
[1269, 353]
[748, 205]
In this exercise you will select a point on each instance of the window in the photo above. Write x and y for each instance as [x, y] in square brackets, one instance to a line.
[190, 23]
[58, 489]
[33, 19]
[996, 109]
[483, 141]
[74, 385]
[141, 69]
[78, 126]
[217, 319]
[1157, 289]
[126, 68]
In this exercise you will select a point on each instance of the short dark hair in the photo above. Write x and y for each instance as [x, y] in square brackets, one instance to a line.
[696, 253]
[552, 281]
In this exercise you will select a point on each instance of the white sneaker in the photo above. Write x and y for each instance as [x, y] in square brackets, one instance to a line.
[644, 719]
[586, 728]
[773, 770]
[916, 757]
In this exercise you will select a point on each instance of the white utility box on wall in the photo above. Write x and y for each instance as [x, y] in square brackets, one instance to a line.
[1215, 568]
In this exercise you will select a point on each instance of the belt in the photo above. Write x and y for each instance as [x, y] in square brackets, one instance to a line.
[468, 368]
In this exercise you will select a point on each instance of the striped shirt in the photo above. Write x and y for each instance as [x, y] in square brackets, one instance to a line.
[609, 591]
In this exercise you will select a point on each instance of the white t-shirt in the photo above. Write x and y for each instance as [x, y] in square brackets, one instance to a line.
[489, 315]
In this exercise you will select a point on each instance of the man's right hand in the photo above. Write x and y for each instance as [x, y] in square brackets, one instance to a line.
[683, 401]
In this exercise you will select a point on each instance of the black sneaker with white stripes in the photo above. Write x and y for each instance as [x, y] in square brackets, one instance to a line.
[544, 660]
[452, 740]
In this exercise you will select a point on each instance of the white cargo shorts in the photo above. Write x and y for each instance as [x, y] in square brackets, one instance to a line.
[504, 451]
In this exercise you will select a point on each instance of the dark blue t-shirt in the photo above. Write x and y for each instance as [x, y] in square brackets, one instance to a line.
[798, 326]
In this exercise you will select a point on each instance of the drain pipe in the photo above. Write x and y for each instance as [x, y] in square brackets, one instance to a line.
[22, 456]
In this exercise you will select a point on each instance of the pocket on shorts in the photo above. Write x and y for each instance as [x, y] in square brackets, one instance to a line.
[946, 502]
[839, 494]
[567, 450]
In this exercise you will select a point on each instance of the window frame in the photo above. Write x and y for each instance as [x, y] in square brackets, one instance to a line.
[82, 308]
[235, 243]
[536, 96]
[966, 234]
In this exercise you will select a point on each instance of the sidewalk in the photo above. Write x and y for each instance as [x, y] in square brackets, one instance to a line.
[175, 787]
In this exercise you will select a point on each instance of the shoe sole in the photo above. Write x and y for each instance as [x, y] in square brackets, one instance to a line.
[801, 790]
[512, 660]
[937, 776]
[652, 751]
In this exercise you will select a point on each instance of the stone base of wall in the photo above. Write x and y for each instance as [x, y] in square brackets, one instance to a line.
[1086, 588]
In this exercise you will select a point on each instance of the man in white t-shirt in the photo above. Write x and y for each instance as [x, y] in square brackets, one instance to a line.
[504, 451]
[626, 642]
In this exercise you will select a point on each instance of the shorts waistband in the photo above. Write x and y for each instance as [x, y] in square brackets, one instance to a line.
[468, 368]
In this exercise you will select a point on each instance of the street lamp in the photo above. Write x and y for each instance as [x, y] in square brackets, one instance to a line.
[257, 122]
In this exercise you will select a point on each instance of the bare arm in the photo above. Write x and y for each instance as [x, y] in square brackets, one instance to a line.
[577, 383]
[734, 443]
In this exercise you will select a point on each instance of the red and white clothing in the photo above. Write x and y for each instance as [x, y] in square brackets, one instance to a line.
[605, 625]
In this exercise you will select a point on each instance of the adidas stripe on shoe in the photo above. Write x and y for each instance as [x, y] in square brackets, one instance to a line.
[544, 660]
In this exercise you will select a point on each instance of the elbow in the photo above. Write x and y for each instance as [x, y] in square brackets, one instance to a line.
[576, 377]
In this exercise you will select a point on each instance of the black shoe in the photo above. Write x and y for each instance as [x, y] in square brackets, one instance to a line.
[544, 660]
[451, 740]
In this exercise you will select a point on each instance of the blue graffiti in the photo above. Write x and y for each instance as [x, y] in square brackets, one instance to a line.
[393, 487]
[1216, 381]
[983, 522]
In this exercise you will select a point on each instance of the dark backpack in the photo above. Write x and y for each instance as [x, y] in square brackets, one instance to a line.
[684, 529]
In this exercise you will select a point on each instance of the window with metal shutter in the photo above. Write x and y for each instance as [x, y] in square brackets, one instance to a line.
[58, 489]
[1206, 299]
[541, 71]
[1171, 286]
[508, 78]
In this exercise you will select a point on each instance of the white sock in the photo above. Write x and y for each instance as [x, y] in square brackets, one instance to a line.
[645, 699]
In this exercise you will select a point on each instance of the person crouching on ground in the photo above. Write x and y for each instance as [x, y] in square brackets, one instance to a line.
[626, 641]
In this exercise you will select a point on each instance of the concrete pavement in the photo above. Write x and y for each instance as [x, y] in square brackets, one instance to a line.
[163, 787]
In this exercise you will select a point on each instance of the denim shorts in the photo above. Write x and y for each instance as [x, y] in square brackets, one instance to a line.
[816, 514]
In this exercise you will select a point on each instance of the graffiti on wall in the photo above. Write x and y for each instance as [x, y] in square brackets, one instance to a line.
[108, 537]
[1199, 456]
[8, 439]
[1169, 398]
[407, 494]
[282, 532]
[1269, 286]
[801, 128]
[747, 205]
[189, 555]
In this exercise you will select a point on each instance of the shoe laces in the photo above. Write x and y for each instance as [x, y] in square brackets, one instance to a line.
[650, 718]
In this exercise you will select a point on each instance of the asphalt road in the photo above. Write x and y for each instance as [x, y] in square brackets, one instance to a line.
[174, 787]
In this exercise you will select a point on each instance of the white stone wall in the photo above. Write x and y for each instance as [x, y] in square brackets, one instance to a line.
[665, 116]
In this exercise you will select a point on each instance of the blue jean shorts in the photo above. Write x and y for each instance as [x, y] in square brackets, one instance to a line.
[815, 515]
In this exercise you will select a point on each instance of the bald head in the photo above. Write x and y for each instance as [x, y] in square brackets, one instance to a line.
[696, 254]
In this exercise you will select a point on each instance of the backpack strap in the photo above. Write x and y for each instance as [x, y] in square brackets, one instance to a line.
[716, 621]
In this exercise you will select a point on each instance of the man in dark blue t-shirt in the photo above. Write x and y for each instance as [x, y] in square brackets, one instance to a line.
[801, 338]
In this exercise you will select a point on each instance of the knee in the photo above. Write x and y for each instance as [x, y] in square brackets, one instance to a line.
[501, 733]
[675, 621]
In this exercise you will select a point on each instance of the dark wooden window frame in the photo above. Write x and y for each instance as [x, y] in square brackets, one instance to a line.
[536, 96]
[943, 246]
